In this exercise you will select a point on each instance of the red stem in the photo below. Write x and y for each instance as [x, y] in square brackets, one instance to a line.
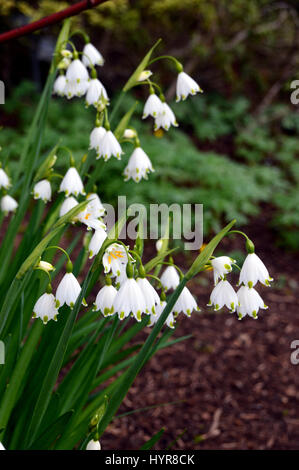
[51, 19]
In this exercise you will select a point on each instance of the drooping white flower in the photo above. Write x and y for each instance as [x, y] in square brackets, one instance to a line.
[72, 183]
[221, 266]
[254, 270]
[165, 118]
[2, 446]
[109, 147]
[185, 303]
[115, 259]
[46, 308]
[170, 278]
[139, 166]
[4, 180]
[129, 299]
[95, 92]
[76, 89]
[8, 204]
[223, 294]
[150, 294]
[159, 310]
[104, 300]
[91, 56]
[93, 445]
[68, 204]
[59, 85]
[42, 190]
[185, 86]
[76, 79]
[249, 302]
[152, 107]
[95, 206]
[96, 242]
[96, 137]
[68, 290]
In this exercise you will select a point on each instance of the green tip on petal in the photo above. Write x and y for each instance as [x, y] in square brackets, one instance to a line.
[250, 284]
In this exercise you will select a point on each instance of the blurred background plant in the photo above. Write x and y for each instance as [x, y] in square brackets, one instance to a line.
[244, 129]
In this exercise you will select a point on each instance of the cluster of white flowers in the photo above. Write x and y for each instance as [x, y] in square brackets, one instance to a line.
[8, 203]
[132, 294]
[136, 297]
[247, 300]
[67, 293]
[74, 80]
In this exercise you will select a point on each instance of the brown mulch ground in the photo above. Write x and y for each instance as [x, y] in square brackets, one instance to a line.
[236, 385]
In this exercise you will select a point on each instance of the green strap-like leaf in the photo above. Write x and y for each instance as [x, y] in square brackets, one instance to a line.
[143, 64]
[153, 440]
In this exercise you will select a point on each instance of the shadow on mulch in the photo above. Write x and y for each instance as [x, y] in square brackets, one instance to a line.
[236, 385]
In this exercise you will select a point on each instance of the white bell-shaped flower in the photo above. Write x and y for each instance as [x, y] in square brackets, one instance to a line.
[8, 204]
[68, 204]
[223, 294]
[254, 270]
[2, 446]
[152, 107]
[72, 183]
[4, 180]
[104, 300]
[46, 308]
[249, 302]
[185, 303]
[76, 79]
[129, 299]
[59, 85]
[68, 290]
[76, 89]
[95, 206]
[115, 259]
[96, 137]
[150, 294]
[185, 86]
[96, 91]
[221, 266]
[96, 242]
[170, 278]
[91, 56]
[170, 321]
[42, 190]
[165, 118]
[109, 147]
[139, 166]
[93, 445]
